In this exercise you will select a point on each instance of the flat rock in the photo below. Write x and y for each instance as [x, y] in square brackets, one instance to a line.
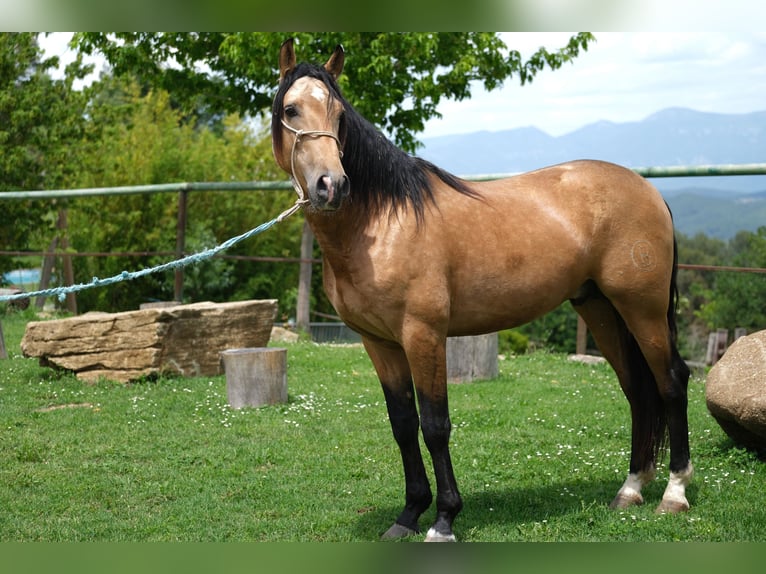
[735, 391]
[587, 359]
[182, 339]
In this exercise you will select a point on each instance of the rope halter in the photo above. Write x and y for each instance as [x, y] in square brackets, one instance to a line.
[293, 177]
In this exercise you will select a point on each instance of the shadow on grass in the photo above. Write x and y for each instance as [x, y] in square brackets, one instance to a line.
[510, 507]
[515, 511]
[729, 445]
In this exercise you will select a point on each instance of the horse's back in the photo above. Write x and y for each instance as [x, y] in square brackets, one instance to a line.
[534, 240]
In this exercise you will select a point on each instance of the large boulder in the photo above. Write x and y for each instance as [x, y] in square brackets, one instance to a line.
[735, 391]
[183, 339]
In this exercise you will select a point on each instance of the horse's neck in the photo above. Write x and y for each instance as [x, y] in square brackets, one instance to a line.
[334, 232]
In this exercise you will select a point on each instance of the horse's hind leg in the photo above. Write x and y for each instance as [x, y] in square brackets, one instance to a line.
[671, 375]
[647, 416]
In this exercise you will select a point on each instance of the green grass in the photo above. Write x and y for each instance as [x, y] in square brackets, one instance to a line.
[538, 452]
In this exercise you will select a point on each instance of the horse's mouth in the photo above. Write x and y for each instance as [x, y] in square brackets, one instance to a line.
[329, 192]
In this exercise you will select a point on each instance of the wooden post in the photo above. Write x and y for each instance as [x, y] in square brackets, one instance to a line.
[255, 376]
[47, 271]
[582, 337]
[303, 311]
[178, 277]
[66, 262]
[716, 346]
[470, 358]
[3, 351]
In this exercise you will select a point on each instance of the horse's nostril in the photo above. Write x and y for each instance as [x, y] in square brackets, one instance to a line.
[326, 188]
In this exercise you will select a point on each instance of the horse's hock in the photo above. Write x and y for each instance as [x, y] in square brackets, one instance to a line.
[736, 391]
[183, 339]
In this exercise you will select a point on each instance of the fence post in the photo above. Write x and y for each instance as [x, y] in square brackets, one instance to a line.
[178, 282]
[66, 262]
[3, 351]
[582, 336]
[47, 271]
[302, 311]
[716, 346]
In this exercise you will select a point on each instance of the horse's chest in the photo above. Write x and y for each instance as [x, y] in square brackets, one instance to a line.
[362, 301]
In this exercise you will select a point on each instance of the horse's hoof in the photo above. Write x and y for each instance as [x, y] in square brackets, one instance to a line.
[435, 536]
[672, 507]
[398, 531]
[623, 501]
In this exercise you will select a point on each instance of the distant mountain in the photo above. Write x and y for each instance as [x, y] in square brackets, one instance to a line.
[675, 136]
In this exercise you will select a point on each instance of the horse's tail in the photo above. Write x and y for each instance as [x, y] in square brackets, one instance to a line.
[654, 437]
[673, 296]
[647, 408]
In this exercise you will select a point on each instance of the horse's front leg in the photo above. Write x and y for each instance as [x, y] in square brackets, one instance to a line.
[394, 372]
[436, 426]
[427, 354]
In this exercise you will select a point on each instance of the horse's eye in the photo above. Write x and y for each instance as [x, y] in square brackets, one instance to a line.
[291, 111]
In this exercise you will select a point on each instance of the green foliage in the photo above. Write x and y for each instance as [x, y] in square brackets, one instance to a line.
[180, 107]
[135, 137]
[510, 341]
[39, 119]
[555, 331]
[738, 299]
[395, 80]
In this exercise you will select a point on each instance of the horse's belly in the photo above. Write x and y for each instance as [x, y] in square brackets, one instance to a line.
[493, 306]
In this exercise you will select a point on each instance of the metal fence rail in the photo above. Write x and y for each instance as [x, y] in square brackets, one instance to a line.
[662, 171]
[184, 188]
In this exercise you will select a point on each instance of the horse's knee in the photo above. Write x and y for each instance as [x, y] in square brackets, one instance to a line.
[436, 432]
[404, 426]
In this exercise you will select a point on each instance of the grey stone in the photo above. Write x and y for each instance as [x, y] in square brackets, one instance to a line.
[735, 391]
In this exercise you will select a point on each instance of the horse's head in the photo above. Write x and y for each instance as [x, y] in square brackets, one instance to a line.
[308, 128]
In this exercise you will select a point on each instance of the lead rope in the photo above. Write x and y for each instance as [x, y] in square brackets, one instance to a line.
[293, 178]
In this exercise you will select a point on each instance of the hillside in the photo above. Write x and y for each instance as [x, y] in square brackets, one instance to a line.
[717, 216]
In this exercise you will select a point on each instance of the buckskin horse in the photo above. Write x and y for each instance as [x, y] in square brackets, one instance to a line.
[413, 255]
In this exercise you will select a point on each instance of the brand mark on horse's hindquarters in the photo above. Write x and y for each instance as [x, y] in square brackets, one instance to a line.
[642, 255]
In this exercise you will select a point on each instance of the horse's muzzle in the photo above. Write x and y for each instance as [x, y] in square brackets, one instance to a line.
[328, 192]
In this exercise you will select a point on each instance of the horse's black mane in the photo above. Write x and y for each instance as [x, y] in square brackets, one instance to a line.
[382, 176]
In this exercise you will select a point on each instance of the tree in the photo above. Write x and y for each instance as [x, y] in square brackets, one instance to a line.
[395, 80]
[133, 138]
[739, 299]
[39, 118]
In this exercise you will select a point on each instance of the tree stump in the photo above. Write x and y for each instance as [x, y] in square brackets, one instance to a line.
[471, 358]
[255, 376]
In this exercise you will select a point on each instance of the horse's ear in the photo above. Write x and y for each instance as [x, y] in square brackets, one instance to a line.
[335, 64]
[286, 58]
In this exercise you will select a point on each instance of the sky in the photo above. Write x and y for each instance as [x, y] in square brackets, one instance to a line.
[622, 77]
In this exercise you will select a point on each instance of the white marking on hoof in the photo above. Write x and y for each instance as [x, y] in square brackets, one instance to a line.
[630, 492]
[674, 498]
[434, 536]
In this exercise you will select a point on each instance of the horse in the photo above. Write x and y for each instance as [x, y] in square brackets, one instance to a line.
[413, 254]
